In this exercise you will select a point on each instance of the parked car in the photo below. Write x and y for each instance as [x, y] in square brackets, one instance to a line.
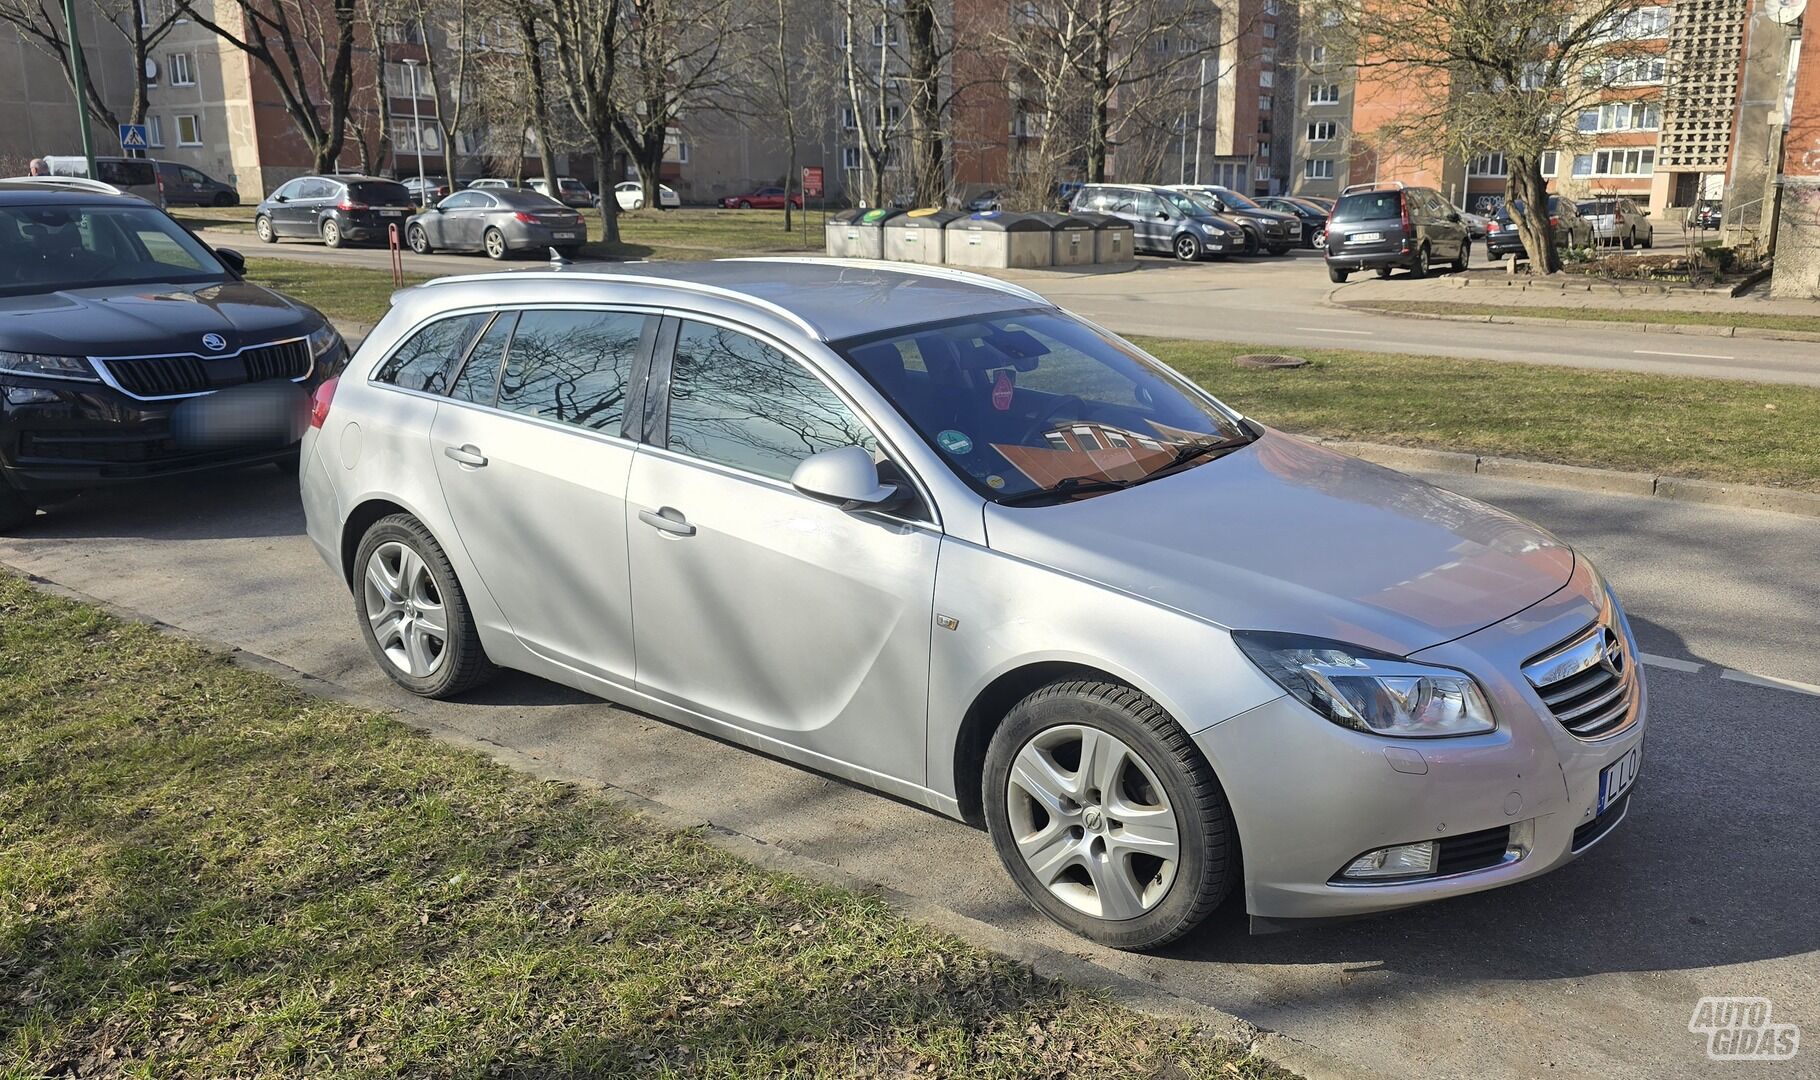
[990, 199]
[1265, 230]
[499, 222]
[427, 189]
[1312, 218]
[1163, 221]
[334, 209]
[630, 195]
[569, 191]
[1321, 201]
[134, 176]
[1571, 230]
[121, 328]
[764, 198]
[491, 182]
[1478, 226]
[1618, 221]
[185, 186]
[927, 532]
[1386, 227]
[1707, 215]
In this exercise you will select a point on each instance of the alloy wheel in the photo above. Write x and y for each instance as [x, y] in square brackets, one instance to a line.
[331, 234]
[263, 226]
[1186, 249]
[496, 244]
[405, 610]
[419, 240]
[1092, 822]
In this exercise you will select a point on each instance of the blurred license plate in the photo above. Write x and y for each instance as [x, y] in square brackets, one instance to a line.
[391, 213]
[1365, 237]
[563, 235]
[1615, 779]
[270, 414]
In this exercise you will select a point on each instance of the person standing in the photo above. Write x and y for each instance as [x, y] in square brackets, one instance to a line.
[40, 167]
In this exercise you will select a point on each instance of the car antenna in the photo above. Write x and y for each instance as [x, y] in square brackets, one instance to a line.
[558, 260]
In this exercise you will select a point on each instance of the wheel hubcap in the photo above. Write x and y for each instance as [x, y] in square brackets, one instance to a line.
[405, 610]
[1092, 822]
[494, 245]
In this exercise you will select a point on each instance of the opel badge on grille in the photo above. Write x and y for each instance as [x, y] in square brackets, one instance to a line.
[214, 342]
[1613, 658]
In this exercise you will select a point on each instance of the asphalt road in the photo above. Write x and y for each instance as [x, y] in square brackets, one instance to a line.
[1278, 302]
[1711, 886]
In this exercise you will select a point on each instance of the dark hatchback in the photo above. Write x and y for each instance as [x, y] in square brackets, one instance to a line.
[1571, 230]
[335, 210]
[129, 349]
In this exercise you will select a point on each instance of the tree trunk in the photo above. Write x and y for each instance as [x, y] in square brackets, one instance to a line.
[603, 178]
[540, 114]
[340, 88]
[928, 151]
[1528, 189]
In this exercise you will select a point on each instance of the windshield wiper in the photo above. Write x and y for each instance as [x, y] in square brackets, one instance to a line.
[1196, 451]
[1067, 486]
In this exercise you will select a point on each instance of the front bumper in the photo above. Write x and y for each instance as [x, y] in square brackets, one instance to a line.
[1309, 796]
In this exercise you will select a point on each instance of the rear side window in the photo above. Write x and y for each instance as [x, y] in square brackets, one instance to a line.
[479, 378]
[429, 357]
[375, 193]
[126, 173]
[738, 402]
[572, 367]
[1368, 206]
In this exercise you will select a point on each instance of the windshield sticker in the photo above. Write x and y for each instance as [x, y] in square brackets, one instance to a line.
[995, 482]
[1002, 391]
[955, 442]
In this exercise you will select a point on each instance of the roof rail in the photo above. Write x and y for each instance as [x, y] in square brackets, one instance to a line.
[81, 183]
[567, 274]
[917, 269]
[1374, 186]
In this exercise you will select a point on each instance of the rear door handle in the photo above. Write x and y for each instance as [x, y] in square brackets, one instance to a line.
[468, 455]
[668, 520]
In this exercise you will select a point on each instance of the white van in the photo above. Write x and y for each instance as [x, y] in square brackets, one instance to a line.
[135, 176]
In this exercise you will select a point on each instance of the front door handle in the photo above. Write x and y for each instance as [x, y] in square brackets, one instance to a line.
[668, 520]
[468, 455]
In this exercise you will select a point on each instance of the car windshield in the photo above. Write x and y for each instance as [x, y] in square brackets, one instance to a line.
[1368, 206]
[46, 248]
[1188, 203]
[1554, 207]
[1237, 201]
[572, 185]
[1030, 406]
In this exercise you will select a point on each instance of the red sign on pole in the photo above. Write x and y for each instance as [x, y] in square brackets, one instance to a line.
[812, 181]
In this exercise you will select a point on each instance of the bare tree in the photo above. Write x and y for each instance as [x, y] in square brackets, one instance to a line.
[869, 87]
[675, 57]
[143, 25]
[1482, 76]
[450, 37]
[587, 37]
[307, 48]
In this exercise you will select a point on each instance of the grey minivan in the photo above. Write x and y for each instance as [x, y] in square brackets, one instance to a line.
[1382, 227]
[1163, 221]
[927, 532]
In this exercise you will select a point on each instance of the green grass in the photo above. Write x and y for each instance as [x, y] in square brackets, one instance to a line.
[1713, 428]
[344, 293]
[1761, 320]
[207, 873]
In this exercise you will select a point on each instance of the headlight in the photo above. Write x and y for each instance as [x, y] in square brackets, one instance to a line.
[1368, 691]
[41, 366]
[323, 340]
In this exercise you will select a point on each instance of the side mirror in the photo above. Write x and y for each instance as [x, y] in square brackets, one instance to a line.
[281, 198]
[234, 260]
[1162, 215]
[845, 477]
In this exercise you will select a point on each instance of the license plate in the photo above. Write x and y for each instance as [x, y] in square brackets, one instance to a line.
[1615, 779]
[563, 235]
[391, 213]
[1364, 237]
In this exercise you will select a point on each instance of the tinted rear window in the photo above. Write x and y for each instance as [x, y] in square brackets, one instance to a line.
[379, 193]
[126, 173]
[1600, 206]
[1368, 206]
[530, 200]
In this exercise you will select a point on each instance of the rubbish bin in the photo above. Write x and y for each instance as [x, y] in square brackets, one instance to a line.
[1073, 239]
[994, 239]
[1111, 238]
[917, 236]
[858, 234]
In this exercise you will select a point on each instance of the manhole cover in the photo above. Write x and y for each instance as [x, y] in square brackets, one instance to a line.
[1273, 360]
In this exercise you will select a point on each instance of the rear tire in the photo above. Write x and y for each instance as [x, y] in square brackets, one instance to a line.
[222, 198]
[1106, 815]
[331, 233]
[388, 584]
[494, 242]
[1338, 277]
[1464, 259]
[1630, 241]
[1420, 269]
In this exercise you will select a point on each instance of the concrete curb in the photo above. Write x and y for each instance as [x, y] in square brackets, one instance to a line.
[1691, 329]
[1298, 1057]
[1579, 477]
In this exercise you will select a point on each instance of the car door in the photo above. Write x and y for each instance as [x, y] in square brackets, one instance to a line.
[1151, 225]
[755, 605]
[457, 220]
[287, 215]
[533, 458]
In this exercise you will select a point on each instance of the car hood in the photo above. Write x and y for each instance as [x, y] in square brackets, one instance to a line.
[1285, 535]
[145, 319]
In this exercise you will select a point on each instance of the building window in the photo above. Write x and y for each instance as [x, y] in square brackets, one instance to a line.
[405, 140]
[1628, 71]
[154, 131]
[1550, 162]
[1317, 169]
[189, 129]
[1324, 94]
[1265, 103]
[1637, 24]
[1263, 150]
[879, 35]
[848, 121]
[1317, 54]
[1488, 165]
[1270, 31]
[180, 70]
[1267, 78]
[398, 82]
[1270, 7]
[1638, 161]
[849, 157]
[1621, 116]
[1323, 131]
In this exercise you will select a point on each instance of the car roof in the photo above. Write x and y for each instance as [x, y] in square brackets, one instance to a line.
[830, 299]
[27, 193]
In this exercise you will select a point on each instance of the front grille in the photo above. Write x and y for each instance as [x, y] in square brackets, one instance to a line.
[145, 450]
[1587, 681]
[1472, 851]
[183, 374]
[1594, 831]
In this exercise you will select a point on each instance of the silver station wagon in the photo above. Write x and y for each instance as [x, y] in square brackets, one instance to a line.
[928, 532]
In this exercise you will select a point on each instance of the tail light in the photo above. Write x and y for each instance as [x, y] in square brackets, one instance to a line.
[350, 204]
[1553, 220]
[1409, 228]
[1492, 227]
[528, 219]
[321, 400]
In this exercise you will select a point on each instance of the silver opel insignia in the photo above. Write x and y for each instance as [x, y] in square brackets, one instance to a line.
[928, 532]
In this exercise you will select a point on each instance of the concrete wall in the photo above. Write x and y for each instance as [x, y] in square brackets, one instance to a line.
[1797, 273]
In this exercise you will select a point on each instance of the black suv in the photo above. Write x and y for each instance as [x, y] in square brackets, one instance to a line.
[130, 349]
[1383, 227]
[334, 209]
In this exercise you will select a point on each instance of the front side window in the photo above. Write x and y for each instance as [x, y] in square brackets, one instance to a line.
[736, 401]
[1031, 405]
[572, 367]
[429, 357]
[45, 248]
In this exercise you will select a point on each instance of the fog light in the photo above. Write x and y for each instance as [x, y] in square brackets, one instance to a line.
[1404, 860]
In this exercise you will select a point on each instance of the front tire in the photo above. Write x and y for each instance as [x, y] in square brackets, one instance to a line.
[418, 239]
[1107, 816]
[413, 614]
[15, 510]
[744, 205]
[331, 233]
[495, 243]
[1187, 248]
[262, 227]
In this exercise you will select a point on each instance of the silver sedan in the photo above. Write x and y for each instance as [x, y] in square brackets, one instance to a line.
[928, 532]
[498, 221]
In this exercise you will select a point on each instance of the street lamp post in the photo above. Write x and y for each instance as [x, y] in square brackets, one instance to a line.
[79, 76]
[423, 195]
